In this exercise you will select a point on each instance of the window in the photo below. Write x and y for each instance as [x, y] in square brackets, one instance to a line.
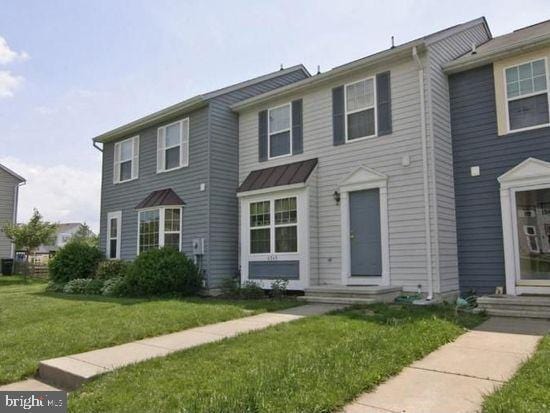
[532, 241]
[277, 218]
[159, 228]
[114, 221]
[527, 95]
[173, 146]
[280, 134]
[360, 109]
[126, 160]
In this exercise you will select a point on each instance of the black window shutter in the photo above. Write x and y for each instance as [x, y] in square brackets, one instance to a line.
[262, 135]
[383, 102]
[338, 116]
[297, 127]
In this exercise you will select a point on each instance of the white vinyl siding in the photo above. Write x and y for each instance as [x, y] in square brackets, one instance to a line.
[126, 160]
[173, 146]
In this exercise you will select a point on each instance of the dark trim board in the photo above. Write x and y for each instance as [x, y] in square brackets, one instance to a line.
[271, 270]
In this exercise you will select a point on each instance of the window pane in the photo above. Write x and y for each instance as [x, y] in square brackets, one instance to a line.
[172, 157]
[279, 144]
[361, 124]
[113, 228]
[260, 242]
[279, 119]
[112, 248]
[148, 230]
[529, 111]
[173, 135]
[538, 68]
[285, 211]
[172, 241]
[172, 220]
[286, 239]
[525, 71]
[126, 149]
[126, 170]
[539, 83]
[360, 95]
[525, 86]
[512, 74]
[512, 89]
[259, 214]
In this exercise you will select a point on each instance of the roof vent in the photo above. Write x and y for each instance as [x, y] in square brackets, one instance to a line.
[474, 51]
[392, 42]
[318, 69]
[282, 68]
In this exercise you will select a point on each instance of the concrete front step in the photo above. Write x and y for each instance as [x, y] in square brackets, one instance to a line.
[337, 300]
[516, 306]
[350, 294]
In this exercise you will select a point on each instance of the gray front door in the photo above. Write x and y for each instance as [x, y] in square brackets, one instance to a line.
[366, 250]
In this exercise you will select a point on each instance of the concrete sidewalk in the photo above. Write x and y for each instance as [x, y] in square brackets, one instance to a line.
[70, 372]
[455, 377]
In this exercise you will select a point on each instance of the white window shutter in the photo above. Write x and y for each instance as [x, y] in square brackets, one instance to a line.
[116, 163]
[160, 149]
[184, 152]
[135, 160]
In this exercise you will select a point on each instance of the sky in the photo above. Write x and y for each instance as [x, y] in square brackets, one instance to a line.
[71, 70]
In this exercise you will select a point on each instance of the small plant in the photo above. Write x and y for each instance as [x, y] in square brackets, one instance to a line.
[230, 287]
[251, 290]
[94, 287]
[113, 287]
[77, 286]
[111, 269]
[75, 260]
[278, 288]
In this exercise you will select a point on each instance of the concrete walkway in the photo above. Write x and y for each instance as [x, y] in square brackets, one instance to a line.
[70, 372]
[455, 377]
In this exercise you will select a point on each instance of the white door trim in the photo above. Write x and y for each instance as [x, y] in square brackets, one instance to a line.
[531, 174]
[364, 178]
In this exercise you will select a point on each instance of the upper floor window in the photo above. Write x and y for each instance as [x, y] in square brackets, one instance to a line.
[527, 95]
[126, 158]
[280, 132]
[360, 109]
[173, 146]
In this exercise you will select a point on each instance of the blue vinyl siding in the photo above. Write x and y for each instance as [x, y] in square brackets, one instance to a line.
[476, 143]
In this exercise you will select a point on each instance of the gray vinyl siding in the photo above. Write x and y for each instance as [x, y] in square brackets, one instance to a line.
[8, 188]
[441, 160]
[213, 160]
[476, 143]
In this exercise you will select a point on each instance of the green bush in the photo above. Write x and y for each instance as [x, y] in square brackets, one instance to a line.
[54, 287]
[278, 288]
[75, 260]
[77, 286]
[94, 287]
[161, 271]
[230, 287]
[251, 290]
[111, 269]
[114, 287]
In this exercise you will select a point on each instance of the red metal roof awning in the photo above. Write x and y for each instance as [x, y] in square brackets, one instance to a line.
[163, 197]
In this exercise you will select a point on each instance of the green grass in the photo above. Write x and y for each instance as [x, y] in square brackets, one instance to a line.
[315, 364]
[529, 389]
[35, 325]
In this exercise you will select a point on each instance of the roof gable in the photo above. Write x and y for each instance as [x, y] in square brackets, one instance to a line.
[12, 173]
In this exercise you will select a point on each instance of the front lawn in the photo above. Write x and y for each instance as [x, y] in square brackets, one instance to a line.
[529, 389]
[35, 325]
[315, 364]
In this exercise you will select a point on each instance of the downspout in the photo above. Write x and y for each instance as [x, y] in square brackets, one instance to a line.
[424, 140]
[15, 206]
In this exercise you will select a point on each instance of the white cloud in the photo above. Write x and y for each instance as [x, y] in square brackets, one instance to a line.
[8, 55]
[8, 83]
[61, 193]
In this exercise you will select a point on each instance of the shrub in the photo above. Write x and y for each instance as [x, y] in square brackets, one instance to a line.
[54, 287]
[251, 290]
[278, 288]
[111, 269]
[75, 260]
[77, 286]
[160, 271]
[230, 287]
[94, 287]
[114, 287]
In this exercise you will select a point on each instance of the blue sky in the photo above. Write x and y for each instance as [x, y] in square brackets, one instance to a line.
[70, 70]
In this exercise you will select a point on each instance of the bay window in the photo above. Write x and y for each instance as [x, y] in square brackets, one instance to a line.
[159, 227]
[360, 109]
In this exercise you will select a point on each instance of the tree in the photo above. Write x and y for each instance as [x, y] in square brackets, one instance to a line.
[30, 236]
[86, 235]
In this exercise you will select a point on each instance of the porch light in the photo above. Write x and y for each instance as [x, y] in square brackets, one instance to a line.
[336, 196]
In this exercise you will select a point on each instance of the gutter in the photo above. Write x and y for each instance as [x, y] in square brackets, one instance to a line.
[425, 174]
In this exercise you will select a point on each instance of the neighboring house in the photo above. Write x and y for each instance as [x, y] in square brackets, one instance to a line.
[346, 177]
[501, 147]
[9, 194]
[64, 233]
[169, 179]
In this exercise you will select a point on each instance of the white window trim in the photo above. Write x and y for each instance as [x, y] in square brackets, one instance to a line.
[134, 161]
[162, 232]
[184, 146]
[269, 157]
[118, 216]
[375, 107]
[506, 99]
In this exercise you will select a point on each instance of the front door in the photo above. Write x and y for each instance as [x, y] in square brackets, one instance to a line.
[365, 239]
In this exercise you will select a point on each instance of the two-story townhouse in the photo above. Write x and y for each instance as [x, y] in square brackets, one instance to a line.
[501, 145]
[346, 178]
[9, 195]
[169, 178]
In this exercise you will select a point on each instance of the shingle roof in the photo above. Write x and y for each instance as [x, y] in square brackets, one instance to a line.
[163, 197]
[288, 174]
[521, 39]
